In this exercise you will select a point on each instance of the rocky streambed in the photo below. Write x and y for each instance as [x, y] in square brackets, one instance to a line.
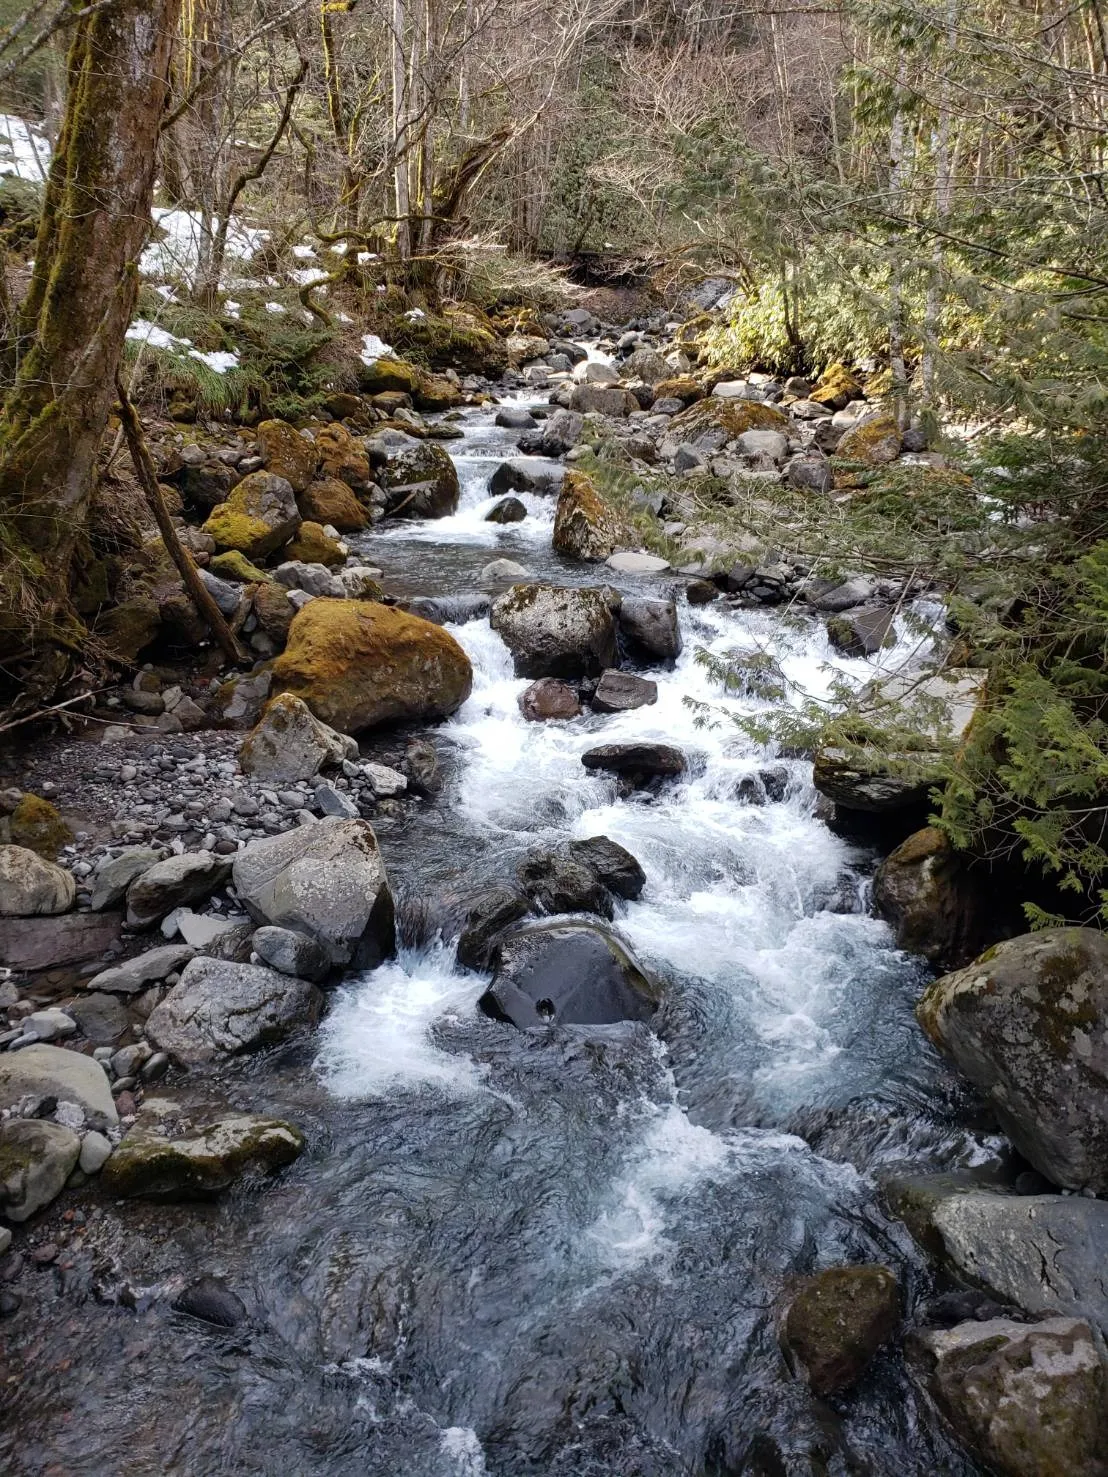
[533, 1092]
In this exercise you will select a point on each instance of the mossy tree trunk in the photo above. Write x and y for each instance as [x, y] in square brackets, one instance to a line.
[95, 220]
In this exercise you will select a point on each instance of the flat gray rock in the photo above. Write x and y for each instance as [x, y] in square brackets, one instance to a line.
[51, 1071]
[135, 975]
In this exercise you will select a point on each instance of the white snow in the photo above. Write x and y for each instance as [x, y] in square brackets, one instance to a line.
[374, 348]
[24, 149]
[145, 332]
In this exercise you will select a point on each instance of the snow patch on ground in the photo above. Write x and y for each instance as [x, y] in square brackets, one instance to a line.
[24, 150]
[144, 332]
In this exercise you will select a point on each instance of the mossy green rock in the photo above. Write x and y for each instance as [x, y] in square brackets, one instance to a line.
[388, 373]
[873, 441]
[838, 1320]
[1027, 1023]
[152, 1163]
[421, 481]
[312, 546]
[732, 417]
[287, 453]
[233, 564]
[258, 518]
[36, 825]
[129, 628]
[585, 527]
[836, 388]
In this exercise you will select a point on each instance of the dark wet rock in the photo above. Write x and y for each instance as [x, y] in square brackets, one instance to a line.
[621, 692]
[1027, 1023]
[526, 474]
[637, 762]
[1030, 1400]
[514, 418]
[508, 510]
[43, 1071]
[233, 944]
[838, 1320]
[420, 481]
[36, 1159]
[174, 883]
[613, 864]
[443, 610]
[46, 943]
[291, 953]
[101, 1018]
[650, 628]
[864, 632]
[558, 882]
[549, 698]
[556, 632]
[219, 1009]
[326, 880]
[212, 1301]
[568, 974]
[811, 474]
[156, 1163]
[421, 765]
[938, 904]
[701, 592]
[487, 917]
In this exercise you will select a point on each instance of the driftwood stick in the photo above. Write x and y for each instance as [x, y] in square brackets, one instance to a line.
[198, 594]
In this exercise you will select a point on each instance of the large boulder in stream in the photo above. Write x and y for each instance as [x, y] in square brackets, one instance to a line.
[585, 527]
[938, 903]
[1027, 1023]
[562, 974]
[838, 1320]
[556, 632]
[358, 664]
[420, 481]
[327, 881]
[1028, 1399]
[220, 1009]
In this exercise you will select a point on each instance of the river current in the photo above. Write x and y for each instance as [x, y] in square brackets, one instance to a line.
[511, 1254]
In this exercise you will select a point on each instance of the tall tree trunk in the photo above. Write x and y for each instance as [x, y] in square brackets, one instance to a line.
[401, 104]
[95, 220]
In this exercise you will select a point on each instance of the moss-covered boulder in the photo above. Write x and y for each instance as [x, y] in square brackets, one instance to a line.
[1027, 1023]
[36, 825]
[127, 629]
[838, 1320]
[420, 481]
[312, 546]
[258, 518]
[388, 373]
[836, 388]
[287, 453]
[36, 1159]
[158, 1163]
[874, 441]
[939, 904]
[233, 564]
[731, 417]
[358, 664]
[435, 392]
[585, 527]
[342, 457]
[273, 612]
[330, 500]
[680, 387]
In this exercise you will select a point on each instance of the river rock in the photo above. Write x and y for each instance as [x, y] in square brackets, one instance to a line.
[291, 745]
[585, 527]
[558, 882]
[556, 632]
[420, 481]
[287, 453]
[873, 779]
[258, 518]
[636, 561]
[1027, 1023]
[526, 474]
[568, 974]
[621, 692]
[290, 952]
[36, 1159]
[154, 1164]
[610, 400]
[101, 1018]
[613, 864]
[212, 1301]
[549, 698]
[874, 440]
[489, 914]
[31, 886]
[838, 1320]
[1030, 1400]
[115, 874]
[172, 883]
[51, 1071]
[331, 501]
[503, 569]
[325, 880]
[562, 431]
[864, 632]
[219, 1009]
[938, 904]
[650, 628]
[1043, 1253]
[507, 510]
[637, 763]
[358, 664]
[134, 975]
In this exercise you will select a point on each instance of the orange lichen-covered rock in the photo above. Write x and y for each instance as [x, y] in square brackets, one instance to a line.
[312, 546]
[585, 527]
[358, 664]
[330, 500]
[288, 453]
[342, 456]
